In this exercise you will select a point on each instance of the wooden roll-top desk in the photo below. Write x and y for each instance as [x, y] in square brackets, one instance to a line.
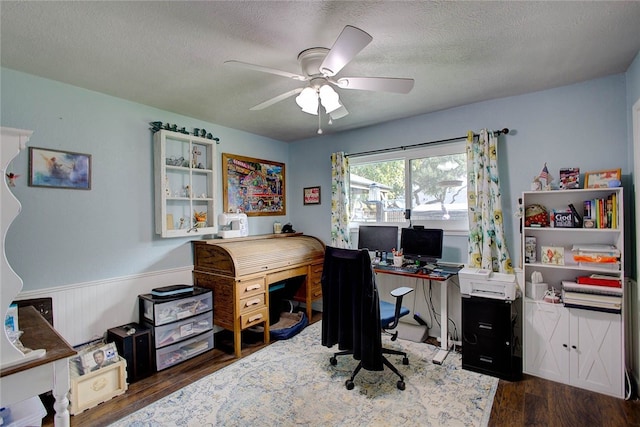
[239, 272]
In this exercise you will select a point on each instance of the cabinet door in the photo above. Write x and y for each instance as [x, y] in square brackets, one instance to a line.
[546, 348]
[596, 351]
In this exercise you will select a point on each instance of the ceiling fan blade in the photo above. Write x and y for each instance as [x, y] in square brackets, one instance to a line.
[276, 99]
[338, 113]
[266, 70]
[350, 41]
[381, 84]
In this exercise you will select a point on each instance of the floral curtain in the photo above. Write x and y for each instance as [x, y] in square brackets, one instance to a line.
[340, 201]
[487, 244]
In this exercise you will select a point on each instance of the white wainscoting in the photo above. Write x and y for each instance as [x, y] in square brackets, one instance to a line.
[84, 311]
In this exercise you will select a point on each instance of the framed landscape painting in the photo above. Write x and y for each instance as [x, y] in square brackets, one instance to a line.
[59, 169]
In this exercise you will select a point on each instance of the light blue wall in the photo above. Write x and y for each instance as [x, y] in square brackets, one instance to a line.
[69, 236]
[582, 125]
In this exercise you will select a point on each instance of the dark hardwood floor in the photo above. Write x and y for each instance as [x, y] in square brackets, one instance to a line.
[529, 402]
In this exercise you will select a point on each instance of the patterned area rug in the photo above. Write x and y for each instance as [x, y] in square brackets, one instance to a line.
[292, 383]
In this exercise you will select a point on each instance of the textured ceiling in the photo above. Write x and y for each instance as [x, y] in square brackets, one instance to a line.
[170, 55]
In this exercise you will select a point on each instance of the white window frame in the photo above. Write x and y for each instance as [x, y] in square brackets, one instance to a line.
[459, 227]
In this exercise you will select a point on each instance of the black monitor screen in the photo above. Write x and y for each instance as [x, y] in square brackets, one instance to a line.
[421, 244]
[378, 238]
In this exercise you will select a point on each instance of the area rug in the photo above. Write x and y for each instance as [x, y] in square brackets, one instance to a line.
[291, 382]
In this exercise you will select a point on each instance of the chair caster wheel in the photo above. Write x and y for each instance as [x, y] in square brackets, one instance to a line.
[405, 361]
[349, 384]
[401, 385]
[333, 361]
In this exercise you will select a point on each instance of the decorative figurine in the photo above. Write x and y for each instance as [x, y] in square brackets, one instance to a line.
[11, 179]
[200, 219]
[181, 225]
[194, 157]
[545, 178]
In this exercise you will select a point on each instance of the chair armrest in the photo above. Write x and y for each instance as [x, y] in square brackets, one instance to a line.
[400, 292]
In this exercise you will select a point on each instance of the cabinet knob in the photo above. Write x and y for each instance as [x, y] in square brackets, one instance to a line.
[565, 346]
[574, 347]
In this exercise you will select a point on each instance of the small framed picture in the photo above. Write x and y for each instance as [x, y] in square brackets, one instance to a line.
[311, 195]
[569, 178]
[59, 169]
[552, 255]
[603, 179]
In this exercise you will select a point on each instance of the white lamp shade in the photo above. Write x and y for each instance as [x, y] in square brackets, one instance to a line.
[329, 98]
[308, 100]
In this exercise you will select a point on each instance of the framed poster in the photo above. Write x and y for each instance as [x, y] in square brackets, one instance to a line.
[602, 179]
[59, 169]
[311, 196]
[255, 187]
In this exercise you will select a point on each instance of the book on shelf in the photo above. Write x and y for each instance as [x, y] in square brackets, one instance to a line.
[608, 266]
[601, 212]
[590, 289]
[584, 300]
[600, 280]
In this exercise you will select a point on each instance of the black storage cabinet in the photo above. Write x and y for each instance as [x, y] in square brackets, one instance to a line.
[488, 337]
[133, 342]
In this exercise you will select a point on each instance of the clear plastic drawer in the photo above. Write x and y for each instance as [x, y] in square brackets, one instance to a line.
[179, 352]
[179, 331]
[158, 311]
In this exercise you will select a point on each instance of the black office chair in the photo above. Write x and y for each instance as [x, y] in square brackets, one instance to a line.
[353, 315]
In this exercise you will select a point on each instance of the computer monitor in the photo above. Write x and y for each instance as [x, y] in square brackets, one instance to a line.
[422, 244]
[378, 237]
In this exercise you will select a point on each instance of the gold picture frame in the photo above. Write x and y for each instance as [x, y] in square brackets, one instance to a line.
[602, 179]
[252, 186]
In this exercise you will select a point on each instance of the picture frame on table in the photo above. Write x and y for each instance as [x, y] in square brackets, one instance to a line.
[311, 195]
[252, 186]
[59, 169]
[603, 178]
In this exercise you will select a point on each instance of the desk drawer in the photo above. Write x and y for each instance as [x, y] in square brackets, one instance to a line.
[251, 303]
[254, 318]
[250, 287]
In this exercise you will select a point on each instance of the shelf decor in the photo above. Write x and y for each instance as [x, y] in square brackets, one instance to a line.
[253, 186]
[59, 169]
[603, 179]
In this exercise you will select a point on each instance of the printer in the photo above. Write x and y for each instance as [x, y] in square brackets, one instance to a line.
[484, 283]
[233, 225]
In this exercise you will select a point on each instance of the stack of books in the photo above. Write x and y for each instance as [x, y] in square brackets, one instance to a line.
[595, 292]
[606, 257]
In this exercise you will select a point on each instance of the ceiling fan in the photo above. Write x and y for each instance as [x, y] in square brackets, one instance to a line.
[319, 67]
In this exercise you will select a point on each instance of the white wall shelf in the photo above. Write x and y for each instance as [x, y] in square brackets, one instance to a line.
[185, 170]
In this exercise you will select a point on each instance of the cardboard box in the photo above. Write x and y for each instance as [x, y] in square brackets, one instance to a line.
[91, 389]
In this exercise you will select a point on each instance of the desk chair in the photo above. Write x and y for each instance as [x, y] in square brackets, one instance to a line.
[353, 315]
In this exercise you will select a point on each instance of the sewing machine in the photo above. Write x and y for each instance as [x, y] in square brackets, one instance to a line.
[233, 225]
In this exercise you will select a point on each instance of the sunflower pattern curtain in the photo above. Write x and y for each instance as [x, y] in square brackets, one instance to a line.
[487, 244]
[340, 201]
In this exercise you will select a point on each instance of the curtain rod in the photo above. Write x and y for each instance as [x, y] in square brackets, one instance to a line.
[422, 144]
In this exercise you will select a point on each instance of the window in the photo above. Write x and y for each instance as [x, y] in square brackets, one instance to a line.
[431, 181]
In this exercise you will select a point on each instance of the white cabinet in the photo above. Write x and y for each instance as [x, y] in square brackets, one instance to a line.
[184, 167]
[580, 347]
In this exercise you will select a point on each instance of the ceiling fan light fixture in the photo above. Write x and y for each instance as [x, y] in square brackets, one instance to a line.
[308, 101]
[329, 98]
